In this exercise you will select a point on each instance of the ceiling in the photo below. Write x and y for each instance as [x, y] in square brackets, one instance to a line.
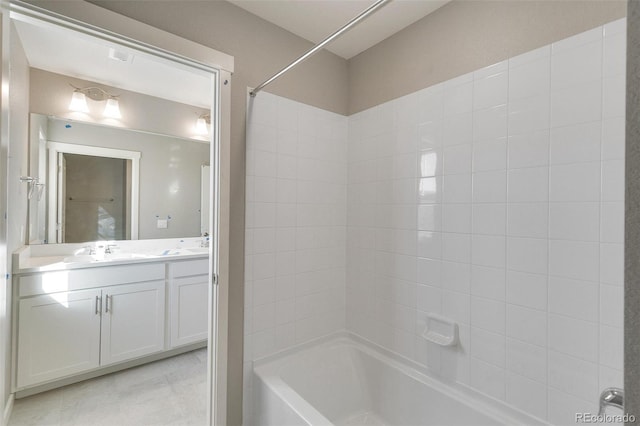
[314, 20]
[70, 53]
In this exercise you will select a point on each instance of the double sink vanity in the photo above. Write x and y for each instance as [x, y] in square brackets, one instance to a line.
[81, 310]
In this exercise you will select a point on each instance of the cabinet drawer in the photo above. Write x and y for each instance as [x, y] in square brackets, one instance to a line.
[76, 279]
[189, 268]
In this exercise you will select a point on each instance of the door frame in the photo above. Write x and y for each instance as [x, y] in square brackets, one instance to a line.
[89, 19]
[55, 228]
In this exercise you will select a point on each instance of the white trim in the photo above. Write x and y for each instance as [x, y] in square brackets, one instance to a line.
[8, 408]
[54, 148]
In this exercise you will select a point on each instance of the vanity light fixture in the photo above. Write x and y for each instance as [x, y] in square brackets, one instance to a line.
[79, 101]
[202, 124]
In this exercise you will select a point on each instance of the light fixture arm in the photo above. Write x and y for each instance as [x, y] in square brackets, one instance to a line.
[94, 93]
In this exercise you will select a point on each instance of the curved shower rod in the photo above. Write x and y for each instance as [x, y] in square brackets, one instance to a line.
[355, 21]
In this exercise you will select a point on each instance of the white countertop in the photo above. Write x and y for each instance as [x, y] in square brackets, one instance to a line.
[57, 257]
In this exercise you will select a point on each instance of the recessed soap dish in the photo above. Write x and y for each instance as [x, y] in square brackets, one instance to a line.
[441, 331]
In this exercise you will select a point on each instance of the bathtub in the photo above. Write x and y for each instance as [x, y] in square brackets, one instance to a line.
[345, 380]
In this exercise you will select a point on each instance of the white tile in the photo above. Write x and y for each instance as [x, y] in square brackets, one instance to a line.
[573, 376]
[614, 55]
[612, 305]
[577, 40]
[490, 187]
[530, 78]
[612, 263]
[562, 407]
[430, 190]
[457, 159]
[490, 156]
[429, 271]
[457, 189]
[488, 347]
[527, 255]
[527, 360]
[576, 299]
[528, 185]
[574, 259]
[404, 166]
[613, 138]
[430, 244]
[487, 378]
[431, 103]
[573, 337]
[456, 277]
[456, 247]
[530, 56]
[529, 115]
[429, 217]
[456, 218]
[458, 98]
[611, 377]
[429, 299]
[265, 189]
[611, 346]
[488, 250]
[430, 163]
[490, 70]
[488, 282]
[527, 395]
[615, 28]
[612, 222]
[529, 150]
[529, 290]
[457, 129]
[491, 90]
[613, 180]
[264, 291]
[575, 182]
[580, 103]
[577, 143]
[489, 219]
[528, 220]
[430, 134]
[527, 325]
[264, 240]
[577, 65]
[574, 221]
[264, 266]
[613, 96]
[490, 124]
[488, 314]
[456, 306]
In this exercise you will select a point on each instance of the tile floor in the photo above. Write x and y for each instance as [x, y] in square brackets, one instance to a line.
[167, 392]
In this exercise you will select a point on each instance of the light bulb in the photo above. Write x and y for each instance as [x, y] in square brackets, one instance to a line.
[201, 127]
[78, 102]
[112, 109]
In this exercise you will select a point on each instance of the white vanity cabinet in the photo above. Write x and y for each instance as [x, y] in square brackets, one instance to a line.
[189, 301]
[106, 315]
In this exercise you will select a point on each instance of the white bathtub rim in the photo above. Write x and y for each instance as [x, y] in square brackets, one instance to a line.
[268, 369]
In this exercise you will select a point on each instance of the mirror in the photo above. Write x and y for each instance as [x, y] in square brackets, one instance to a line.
[143, 170]
[126, 185]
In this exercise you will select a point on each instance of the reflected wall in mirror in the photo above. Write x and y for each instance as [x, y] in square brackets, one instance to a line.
[161, 197]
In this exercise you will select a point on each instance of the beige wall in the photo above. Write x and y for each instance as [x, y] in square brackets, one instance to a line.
[463, 36]
[260, 49]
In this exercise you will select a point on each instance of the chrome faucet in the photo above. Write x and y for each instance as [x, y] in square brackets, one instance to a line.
[613, 397]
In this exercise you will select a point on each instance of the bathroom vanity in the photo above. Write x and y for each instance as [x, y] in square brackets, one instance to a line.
[77, 313]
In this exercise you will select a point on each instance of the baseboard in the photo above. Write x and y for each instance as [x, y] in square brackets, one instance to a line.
[7, 410]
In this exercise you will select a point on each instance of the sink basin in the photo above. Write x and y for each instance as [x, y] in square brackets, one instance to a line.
[125, 256]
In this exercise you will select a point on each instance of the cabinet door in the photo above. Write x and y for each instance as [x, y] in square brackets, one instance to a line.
[58, 335]
[189, 310]
[132, 321]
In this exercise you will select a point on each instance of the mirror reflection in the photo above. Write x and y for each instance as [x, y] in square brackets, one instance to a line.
[108, 183]
[118, 142]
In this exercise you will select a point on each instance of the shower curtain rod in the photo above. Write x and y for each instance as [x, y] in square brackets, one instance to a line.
[355, 21]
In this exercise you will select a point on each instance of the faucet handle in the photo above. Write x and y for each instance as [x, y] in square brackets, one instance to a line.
[110, 247]
[613, 397]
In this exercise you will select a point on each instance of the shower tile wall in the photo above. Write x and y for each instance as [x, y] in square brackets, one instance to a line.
[496, 199]
[295, 248]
